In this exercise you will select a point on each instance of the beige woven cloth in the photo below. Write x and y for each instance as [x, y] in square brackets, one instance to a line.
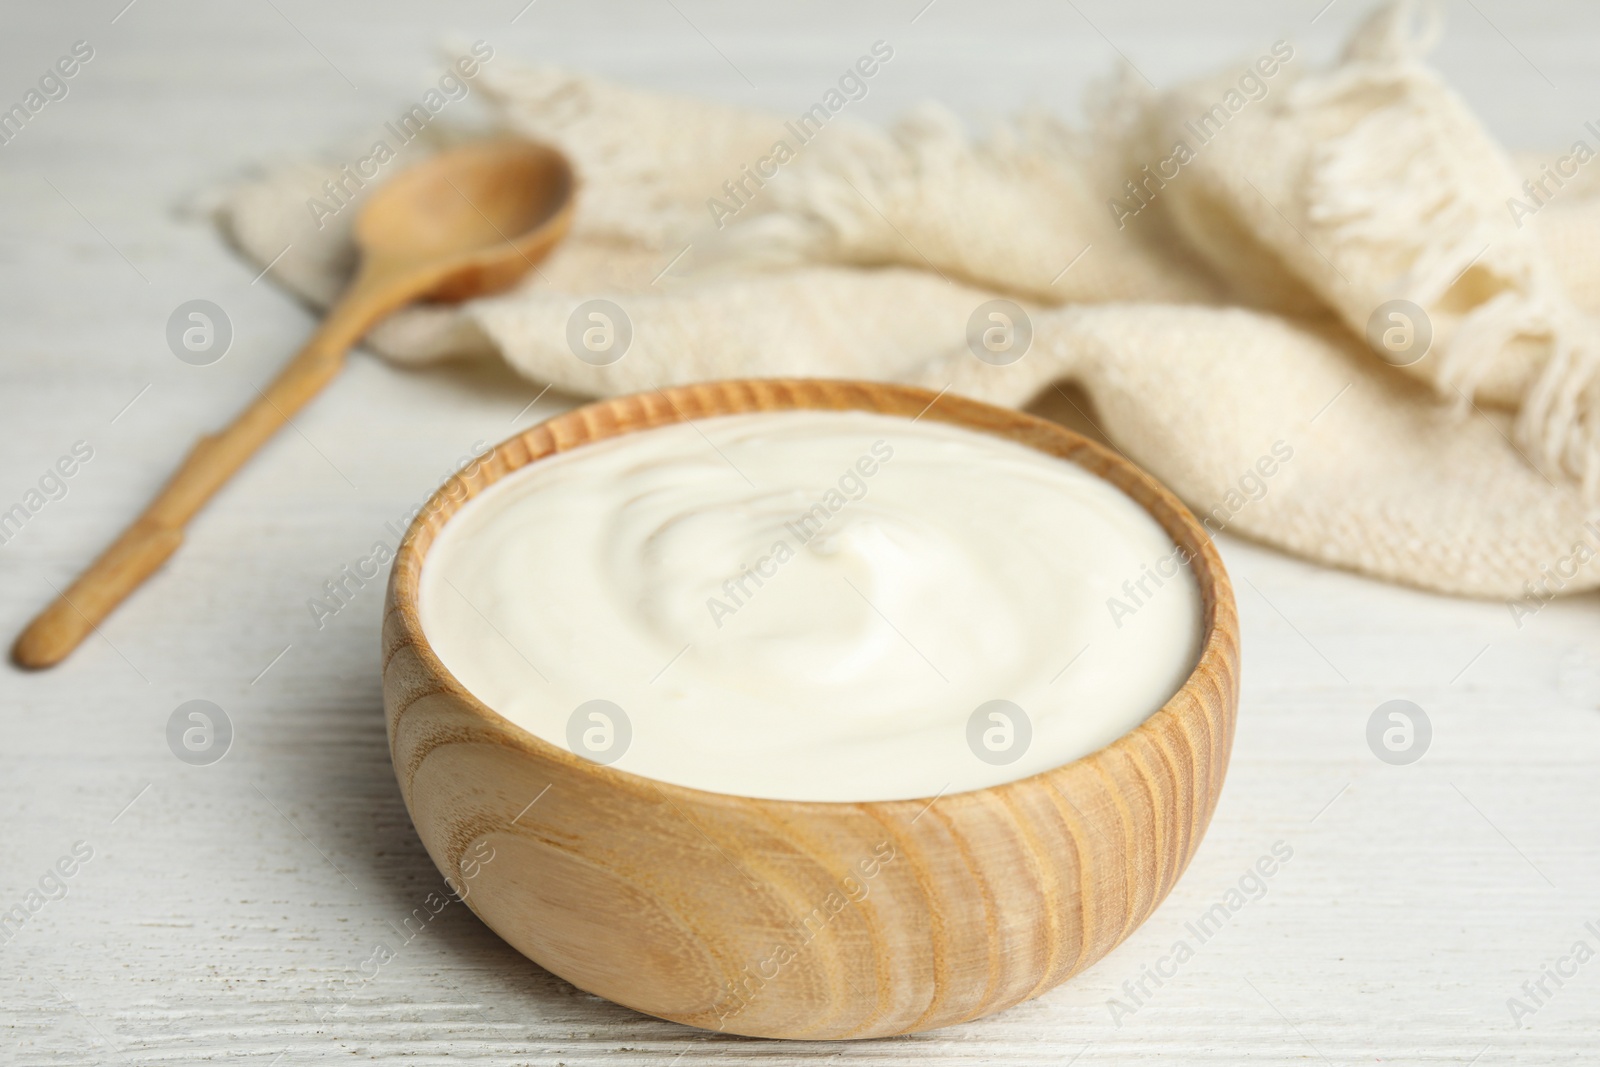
[1203, 264]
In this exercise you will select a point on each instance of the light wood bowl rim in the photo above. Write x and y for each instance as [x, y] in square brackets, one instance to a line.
[1216, 589]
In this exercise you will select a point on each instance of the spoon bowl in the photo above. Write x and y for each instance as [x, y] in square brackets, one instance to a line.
[471, 221]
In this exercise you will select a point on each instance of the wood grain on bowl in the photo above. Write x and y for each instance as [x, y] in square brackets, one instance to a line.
[805, 919]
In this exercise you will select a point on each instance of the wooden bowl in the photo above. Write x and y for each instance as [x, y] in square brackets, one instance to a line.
[795, 919]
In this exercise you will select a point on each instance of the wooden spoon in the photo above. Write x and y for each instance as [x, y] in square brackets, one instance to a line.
[467, 222]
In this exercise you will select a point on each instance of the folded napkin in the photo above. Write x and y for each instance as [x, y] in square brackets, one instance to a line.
[1321, 305]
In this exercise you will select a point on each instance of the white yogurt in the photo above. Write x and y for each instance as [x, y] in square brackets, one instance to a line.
[813, 606]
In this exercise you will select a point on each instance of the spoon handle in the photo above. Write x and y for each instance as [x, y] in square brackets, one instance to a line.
[151, 538]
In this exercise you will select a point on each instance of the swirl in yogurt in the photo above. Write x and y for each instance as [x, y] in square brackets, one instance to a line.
[813, 605]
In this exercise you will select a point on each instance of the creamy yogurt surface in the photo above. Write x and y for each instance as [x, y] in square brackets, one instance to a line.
[808, 605]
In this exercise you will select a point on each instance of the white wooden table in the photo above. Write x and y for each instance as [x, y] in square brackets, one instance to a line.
[225, 906]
